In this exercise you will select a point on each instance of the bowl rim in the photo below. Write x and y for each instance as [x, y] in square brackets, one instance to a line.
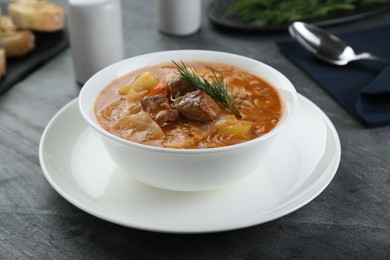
[247, 144]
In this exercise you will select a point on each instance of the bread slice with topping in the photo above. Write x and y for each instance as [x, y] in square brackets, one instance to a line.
[15, 42]
[3, 63]
[6, 24]
[36, 15]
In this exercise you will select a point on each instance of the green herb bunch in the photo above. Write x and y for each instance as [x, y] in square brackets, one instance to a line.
[216, 89]
[274, 12]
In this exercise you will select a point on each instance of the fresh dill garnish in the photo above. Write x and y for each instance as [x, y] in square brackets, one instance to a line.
[216, 89]
[275, 12]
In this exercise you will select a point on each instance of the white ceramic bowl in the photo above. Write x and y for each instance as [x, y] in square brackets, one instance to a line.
[187, 169]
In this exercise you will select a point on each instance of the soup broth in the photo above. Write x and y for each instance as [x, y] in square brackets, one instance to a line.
[154, 106]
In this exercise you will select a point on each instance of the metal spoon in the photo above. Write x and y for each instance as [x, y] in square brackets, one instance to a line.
[327, 46]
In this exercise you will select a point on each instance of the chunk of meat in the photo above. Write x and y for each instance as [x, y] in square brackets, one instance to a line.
[178, 86]
[197, 105]
[157, 106]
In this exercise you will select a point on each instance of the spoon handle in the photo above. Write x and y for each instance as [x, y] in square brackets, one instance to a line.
[369, 56]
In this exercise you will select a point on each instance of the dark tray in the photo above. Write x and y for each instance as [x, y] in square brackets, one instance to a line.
[217, 14]
[47, 46]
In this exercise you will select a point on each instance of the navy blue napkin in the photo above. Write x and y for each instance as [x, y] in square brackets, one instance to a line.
[362, 87]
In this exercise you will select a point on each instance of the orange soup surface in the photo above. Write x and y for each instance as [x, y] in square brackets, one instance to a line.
[155, 106]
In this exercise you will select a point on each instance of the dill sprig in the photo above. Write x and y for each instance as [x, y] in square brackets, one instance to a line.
[217, 88]
[276, 12]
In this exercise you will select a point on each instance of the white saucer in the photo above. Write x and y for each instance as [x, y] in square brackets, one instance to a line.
[297, 170]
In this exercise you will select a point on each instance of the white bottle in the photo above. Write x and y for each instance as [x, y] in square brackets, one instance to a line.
[179, 17]
[95, 34]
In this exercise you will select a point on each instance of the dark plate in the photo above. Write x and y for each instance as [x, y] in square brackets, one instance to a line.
[47, 46]
[217, 14]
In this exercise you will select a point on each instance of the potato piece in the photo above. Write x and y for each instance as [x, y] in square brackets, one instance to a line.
[123, 90]
[140, 87]
[135, 95]
[141, 125]
[239, 129]
[145, 82]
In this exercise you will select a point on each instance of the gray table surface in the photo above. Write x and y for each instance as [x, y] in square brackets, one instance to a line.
[349, 220]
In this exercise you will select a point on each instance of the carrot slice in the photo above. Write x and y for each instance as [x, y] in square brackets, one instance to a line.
[160, 88]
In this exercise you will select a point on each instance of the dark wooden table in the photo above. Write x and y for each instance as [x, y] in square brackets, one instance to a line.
[349, 220]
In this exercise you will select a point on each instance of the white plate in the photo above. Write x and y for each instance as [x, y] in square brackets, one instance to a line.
[298, 168]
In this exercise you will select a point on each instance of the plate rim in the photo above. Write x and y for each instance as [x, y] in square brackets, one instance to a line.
[309, 194]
